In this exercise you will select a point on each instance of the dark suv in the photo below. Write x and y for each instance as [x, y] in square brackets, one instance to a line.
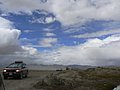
[17, 69]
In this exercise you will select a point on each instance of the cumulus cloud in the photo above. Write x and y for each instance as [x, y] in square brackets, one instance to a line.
[15, 6]
[81, 11]
[10, 48]
[68, 11]
[29, 50]
[4, 23]
[9, 40]
[93, 52]
[27, 54]
[8, 37]
[47, 42]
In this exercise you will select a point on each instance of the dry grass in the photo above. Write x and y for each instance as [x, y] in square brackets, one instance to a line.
[91, 79]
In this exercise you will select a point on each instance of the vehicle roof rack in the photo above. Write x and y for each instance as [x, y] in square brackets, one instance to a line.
[18, 61]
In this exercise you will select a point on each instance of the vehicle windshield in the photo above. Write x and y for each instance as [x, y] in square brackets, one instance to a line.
[15, 65]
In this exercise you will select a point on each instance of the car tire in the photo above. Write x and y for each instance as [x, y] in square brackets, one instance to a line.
[5, 77]
[21, 76]
[26, 75]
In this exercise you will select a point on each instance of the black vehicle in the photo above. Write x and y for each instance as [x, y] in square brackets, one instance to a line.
[1, 84]
[17, 70]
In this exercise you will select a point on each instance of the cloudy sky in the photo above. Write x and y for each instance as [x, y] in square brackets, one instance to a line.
[84, 32]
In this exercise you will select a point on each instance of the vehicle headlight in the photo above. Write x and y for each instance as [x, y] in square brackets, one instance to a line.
[4, 70]
[17, 70]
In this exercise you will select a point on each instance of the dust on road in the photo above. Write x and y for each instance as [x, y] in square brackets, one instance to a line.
[26, 83]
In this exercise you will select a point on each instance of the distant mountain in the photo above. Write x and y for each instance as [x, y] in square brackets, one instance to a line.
[57, 67]
[80, 66]
[46, 67]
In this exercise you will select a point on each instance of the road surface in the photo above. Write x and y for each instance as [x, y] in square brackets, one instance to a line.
[26, 83]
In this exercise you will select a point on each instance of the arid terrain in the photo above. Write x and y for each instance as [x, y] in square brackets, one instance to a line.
[98, 78]
[26, 83]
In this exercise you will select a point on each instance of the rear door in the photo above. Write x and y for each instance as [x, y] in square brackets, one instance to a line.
[25, 71]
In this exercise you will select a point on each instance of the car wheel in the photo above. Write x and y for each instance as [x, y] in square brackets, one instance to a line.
[5, 77]
[21, 75]
[25, 75]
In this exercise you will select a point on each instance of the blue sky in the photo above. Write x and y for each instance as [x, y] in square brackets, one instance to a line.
[53, 30]
[36, 31]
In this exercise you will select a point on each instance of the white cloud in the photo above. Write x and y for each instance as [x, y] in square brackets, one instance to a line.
[28, 31]
[47, 42]
[81, 11]
[9, 40]
[16, 6]
[97, 33]
[49, 20]
[8, 37]
[43, 20]
[68, 11]
[10, 48]
[26, 54]
[50, 34]
[48, 29]
[93, 52]
[4, 23]
[29, 51]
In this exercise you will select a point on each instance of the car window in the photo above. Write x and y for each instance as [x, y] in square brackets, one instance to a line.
[24, 65]
[15, 65]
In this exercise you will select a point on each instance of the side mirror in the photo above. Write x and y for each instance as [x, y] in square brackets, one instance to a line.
[23, 67]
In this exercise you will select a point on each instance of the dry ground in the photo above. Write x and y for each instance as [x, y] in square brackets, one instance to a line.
[90, 79]
[26, 83]
[100, 78]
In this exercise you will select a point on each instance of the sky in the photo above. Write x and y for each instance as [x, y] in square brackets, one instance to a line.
[67, 32]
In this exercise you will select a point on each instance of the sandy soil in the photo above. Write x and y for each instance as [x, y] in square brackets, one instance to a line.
[26, 83]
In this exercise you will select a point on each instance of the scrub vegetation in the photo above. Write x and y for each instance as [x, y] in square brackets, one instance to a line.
[99, 78]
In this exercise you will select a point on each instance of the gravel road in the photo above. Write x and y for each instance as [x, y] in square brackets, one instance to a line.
[26, 83]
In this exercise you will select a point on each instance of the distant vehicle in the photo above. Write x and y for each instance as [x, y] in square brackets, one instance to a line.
[1, 84]
[16, 70]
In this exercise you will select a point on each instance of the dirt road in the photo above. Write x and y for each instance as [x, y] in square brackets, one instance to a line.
[26, 83]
